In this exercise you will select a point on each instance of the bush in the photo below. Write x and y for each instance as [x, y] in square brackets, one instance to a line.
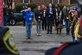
[19, 7]
[33, 6]
[62, 5]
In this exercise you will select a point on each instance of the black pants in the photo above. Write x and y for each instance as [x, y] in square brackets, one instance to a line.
[44, 23]
[24, 21]
[49, 27]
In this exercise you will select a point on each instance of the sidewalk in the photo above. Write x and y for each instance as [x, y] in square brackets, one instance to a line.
[39, 44]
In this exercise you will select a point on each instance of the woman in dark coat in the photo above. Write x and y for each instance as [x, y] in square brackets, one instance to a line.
[59, 21]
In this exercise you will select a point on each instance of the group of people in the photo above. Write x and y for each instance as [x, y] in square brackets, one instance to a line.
[47, 17]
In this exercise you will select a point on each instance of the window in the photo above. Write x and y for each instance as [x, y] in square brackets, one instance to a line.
[55, 1]
[73, 1]
[26, 1]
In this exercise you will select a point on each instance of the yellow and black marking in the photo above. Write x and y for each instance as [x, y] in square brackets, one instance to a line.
[9, 43]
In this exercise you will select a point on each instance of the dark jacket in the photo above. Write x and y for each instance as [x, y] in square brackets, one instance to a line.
[38, 16]
[50, 15]
[59, 19]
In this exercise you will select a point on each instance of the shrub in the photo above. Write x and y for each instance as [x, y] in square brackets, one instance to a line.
[19, 7]
[62, 5]
[33, 6]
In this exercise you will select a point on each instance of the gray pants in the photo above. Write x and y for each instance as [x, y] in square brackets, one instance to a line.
[38, 28]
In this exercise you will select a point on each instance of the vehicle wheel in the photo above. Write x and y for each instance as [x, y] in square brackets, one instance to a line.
[12, 22]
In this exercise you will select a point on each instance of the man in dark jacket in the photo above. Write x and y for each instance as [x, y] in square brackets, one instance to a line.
[50, 20]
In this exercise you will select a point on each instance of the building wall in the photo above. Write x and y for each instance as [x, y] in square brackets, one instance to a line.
[55, 1]
[64, 1]
[39, 2]
[68, 1]
[46, 2]
[20, 1]
[73, 1]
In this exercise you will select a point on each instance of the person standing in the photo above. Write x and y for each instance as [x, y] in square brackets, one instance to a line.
[5, 13]
[67, 20]
[29, 15]
[59, 20]
[64, 14]
[10, 14]
[56, 16]
[78, 29]
[73, 25]
[25, 7]
[50, 19]
[38, 17]
[43, 17]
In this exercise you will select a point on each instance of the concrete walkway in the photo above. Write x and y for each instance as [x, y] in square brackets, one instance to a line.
[38, 44]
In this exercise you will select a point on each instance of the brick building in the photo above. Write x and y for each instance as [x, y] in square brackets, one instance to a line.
[38, 2]
[47, 1]
[64, 1]
[35, 1]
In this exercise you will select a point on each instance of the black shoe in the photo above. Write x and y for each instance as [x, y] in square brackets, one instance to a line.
[50, 32]
[29, 38]
[42, 29]
[60, 33]
[47, 32]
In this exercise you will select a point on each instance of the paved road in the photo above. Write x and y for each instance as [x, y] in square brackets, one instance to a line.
[38, 44]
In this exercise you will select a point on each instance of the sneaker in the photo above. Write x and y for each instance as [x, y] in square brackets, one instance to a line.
[37, 34]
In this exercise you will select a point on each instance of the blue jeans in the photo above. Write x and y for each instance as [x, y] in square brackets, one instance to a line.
[5, 20]
[67, 31]
[28, 29]
[67, 24]
[49, 27]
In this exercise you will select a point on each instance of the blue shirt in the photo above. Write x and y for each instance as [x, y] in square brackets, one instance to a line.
[29, 16]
